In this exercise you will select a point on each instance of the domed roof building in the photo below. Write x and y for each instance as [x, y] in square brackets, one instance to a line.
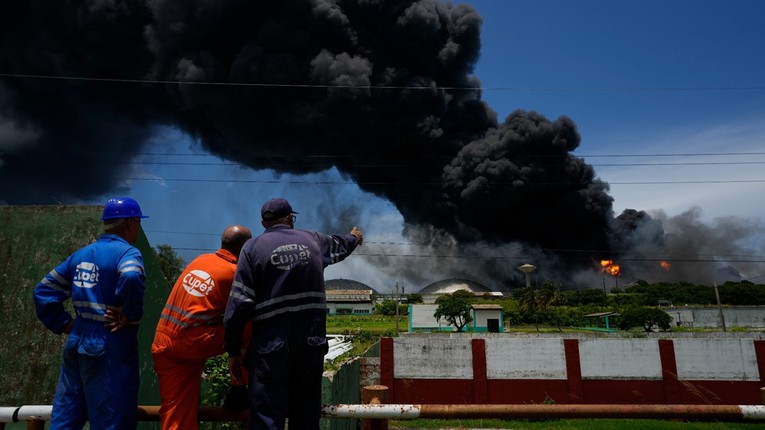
[347, 284]
[345, 296]
[448, 286]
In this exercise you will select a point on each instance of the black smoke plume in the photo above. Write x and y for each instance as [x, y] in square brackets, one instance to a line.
[383, 90]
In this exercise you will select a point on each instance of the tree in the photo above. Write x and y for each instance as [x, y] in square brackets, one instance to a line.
[455, 308]
[388, 307]
[170, 263]
[548, 297]
[536, 301]
[645, 317]
[413, 298]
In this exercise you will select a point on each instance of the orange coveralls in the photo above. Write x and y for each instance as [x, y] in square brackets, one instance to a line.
[190, 331]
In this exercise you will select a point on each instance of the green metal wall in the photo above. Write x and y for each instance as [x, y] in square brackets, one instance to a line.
[33, 240]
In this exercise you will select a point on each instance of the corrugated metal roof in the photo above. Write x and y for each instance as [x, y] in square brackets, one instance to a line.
[485, 306]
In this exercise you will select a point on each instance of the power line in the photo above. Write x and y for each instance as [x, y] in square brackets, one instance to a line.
[388, 87]
[449, 156]
[389, 183]
[739, 259]
[616, 255]
[390, 165]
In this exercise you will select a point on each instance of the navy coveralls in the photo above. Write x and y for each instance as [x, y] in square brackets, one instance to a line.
[279, 286]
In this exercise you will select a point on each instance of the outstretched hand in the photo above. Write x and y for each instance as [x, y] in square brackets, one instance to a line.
[356, 232]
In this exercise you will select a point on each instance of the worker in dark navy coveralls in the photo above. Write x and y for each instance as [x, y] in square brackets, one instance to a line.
[279, 286]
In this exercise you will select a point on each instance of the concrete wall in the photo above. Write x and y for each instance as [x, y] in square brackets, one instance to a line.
[502, 369]
[751, 317]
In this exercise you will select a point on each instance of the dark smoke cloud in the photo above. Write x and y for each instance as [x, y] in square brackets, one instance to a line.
[383, 90]
[65, 140]
[535, 190]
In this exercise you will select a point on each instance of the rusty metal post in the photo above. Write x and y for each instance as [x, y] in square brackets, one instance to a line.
[36, 425]
[374, 395]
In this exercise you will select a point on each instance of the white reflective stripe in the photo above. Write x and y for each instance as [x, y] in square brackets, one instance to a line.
[131, 266]
[54, 286]
[57, 276]
[130, 263]
[243, 287]
[240, 297]
[291, 297]
[91, 305]
[290, 309]
[187, 314]
[90, 316]
[173, 320]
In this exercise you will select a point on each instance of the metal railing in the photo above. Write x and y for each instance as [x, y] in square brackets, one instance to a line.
[375, 412]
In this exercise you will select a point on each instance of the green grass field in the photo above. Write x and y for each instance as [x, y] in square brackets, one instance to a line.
[375, 324]
[569, 424]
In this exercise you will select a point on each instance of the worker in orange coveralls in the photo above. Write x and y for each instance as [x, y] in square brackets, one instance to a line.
[190, 329]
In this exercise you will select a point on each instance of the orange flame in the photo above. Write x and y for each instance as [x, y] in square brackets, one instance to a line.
[608, 266]
[666, 266]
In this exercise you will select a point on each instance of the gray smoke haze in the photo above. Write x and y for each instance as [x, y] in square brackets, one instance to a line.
[381, 90]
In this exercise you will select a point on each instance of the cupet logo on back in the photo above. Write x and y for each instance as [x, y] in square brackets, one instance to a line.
[198, 283]
[86, 275]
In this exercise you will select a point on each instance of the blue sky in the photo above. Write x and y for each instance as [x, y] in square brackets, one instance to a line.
[668, 96]
[641, 78]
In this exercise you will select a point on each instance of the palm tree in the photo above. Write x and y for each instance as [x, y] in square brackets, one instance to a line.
[549, 296]
[536, 301]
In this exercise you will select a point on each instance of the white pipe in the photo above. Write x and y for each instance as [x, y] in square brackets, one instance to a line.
[372, 411]
[6, 414]
[407, 411]
[753, 412]
[25, 413]
[35, 412]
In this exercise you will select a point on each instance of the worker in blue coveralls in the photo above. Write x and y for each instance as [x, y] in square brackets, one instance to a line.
[279, 286]
[105, 281]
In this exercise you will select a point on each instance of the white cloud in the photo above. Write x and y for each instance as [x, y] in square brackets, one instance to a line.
[716, 169]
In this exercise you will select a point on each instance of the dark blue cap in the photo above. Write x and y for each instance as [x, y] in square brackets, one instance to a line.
[275, 209]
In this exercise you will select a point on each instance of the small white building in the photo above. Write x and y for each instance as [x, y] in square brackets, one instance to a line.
[486, 318]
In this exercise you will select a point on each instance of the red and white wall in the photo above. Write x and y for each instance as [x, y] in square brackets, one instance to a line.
[501, 369]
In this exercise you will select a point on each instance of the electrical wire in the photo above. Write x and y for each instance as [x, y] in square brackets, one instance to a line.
[387, 87]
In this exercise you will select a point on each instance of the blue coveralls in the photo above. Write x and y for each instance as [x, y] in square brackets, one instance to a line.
[99, 375]
[279, 285]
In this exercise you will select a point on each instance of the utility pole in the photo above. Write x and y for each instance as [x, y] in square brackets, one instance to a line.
[396, 289]
[719, 307]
